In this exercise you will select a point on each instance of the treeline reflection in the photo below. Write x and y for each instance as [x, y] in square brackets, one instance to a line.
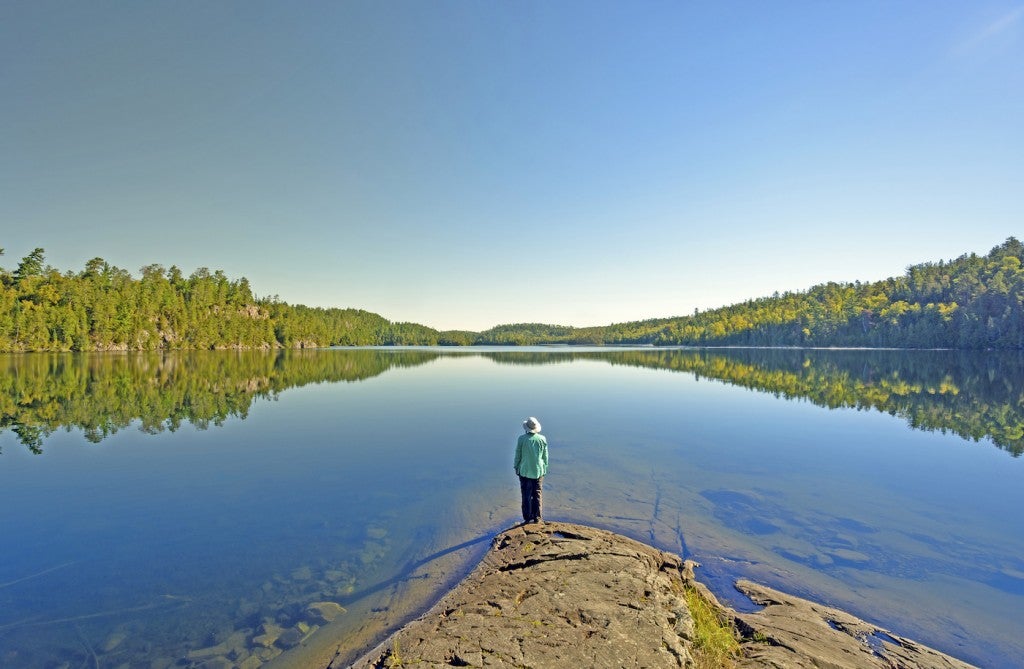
[974, 395]
[103, 393]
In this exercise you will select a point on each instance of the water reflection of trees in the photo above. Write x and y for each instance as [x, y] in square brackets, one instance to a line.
[103, 393]
[974, 395]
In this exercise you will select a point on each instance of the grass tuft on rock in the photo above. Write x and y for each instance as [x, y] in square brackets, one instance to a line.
[714, 644]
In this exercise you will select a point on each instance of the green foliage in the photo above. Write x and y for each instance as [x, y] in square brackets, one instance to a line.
[714, 643]
[973, 302]
[104, 308]
[526, 333]
[31, 265]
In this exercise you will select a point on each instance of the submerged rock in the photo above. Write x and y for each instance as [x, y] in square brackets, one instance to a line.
[303, 573]
[372, 552]
[266, 654]
[324, 612]
[246, 607]
[848, 555]
[217, 663]
[290, 638]
[113, 641]
[293, 636]
[268, 634]
[208, 652]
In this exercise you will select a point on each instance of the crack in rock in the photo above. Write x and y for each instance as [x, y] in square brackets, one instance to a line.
[532, 562]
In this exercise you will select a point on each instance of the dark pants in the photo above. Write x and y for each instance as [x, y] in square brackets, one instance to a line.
[531, 490]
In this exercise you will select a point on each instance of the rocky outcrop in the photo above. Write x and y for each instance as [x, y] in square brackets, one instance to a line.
[563, 595]
[553, 594]
[795, 633]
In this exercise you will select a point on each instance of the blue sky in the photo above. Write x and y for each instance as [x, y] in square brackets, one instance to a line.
[466, 164]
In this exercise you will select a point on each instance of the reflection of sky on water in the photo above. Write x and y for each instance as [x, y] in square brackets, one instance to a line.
[848, 506]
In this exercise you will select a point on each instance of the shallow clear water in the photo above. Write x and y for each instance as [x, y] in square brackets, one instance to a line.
[262, 482]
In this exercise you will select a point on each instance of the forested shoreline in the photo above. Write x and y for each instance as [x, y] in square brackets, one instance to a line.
[973, 302]
[105, 308]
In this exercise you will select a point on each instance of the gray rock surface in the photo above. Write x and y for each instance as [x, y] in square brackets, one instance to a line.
[555, 595]
[564, 595]
[793, 632]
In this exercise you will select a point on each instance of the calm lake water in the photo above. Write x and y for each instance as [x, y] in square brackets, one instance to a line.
[173, 510]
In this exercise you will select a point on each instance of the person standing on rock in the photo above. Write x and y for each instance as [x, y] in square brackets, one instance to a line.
[531, 465]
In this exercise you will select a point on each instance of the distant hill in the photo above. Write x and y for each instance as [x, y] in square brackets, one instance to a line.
[973, 302]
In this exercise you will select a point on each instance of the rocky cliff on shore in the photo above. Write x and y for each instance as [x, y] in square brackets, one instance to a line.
[564, 595]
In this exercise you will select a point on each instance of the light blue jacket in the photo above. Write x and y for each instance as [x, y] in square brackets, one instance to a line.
[532, 456]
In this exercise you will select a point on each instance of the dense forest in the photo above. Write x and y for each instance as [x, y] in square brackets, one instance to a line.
[105, 308]
[973, 302]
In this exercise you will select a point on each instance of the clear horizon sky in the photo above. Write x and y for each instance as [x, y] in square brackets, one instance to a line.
[464, 164]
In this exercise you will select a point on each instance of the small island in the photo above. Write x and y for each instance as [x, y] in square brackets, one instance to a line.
[565, 595]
